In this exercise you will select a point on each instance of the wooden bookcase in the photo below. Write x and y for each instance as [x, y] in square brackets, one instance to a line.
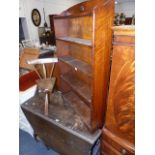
[84, 41]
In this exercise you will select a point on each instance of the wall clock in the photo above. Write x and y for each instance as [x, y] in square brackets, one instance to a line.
[36, 17]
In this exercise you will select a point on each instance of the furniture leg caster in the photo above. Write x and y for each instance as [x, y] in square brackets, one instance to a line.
[47, 147]
[36, 138]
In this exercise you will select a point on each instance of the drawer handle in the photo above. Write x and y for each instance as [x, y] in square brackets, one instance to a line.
[124, 152]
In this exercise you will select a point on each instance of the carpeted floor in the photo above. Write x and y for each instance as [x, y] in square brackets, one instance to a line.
[28, 146]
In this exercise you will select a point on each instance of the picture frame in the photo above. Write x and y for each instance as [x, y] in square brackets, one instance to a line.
[36, 17]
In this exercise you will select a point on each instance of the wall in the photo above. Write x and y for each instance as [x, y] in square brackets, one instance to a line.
[126, 7]
[21, 8]
[50, 7]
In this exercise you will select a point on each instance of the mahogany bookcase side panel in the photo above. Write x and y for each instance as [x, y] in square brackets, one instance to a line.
[102, 46]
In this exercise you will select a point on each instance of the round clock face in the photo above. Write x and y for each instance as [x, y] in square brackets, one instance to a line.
[36, 18]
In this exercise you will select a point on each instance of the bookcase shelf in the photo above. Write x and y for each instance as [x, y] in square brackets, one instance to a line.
[85, 42]
[77, 65]
[79, 87]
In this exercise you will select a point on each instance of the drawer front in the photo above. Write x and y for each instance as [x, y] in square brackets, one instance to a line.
[120, 40]
[108, 149]
[55, 137]
[113, 145]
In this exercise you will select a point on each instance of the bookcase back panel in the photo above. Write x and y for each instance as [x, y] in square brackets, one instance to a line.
[64, 87]
[81, 27]
[83, 77]
[83, 53]
[62, 48]
[81, 89]
[61, 27]
[65, 68]
[74, 27]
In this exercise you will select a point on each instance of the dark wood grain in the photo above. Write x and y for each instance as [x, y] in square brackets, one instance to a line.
[119, 130]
